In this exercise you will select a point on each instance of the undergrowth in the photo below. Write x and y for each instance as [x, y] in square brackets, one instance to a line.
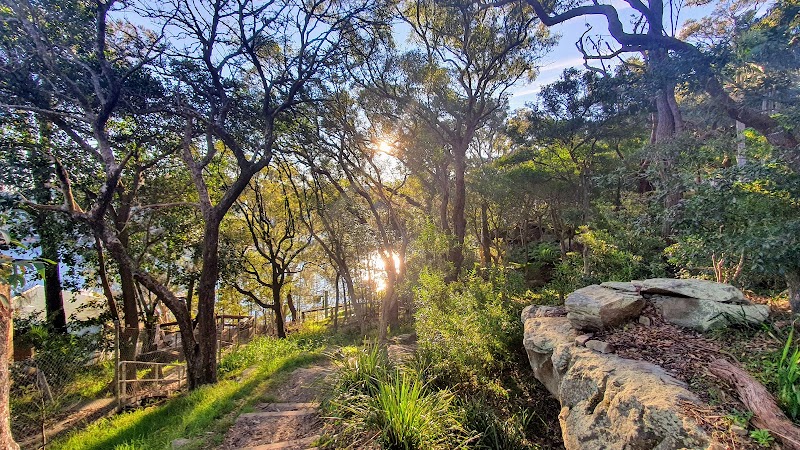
[468, 385]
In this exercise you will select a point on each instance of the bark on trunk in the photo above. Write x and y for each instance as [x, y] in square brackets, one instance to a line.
[766, 413]
[336, 305]
[6, 353]
[203, 369]
[486, 240]
[277, 307]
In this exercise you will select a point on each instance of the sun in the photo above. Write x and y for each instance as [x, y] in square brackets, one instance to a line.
[385, 147]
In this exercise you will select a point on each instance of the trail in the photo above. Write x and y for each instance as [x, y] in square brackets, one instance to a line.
[287, 418]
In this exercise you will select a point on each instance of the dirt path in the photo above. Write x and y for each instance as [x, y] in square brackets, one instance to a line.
[287, 418]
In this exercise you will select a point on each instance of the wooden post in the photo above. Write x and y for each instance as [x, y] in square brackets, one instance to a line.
[325, 303]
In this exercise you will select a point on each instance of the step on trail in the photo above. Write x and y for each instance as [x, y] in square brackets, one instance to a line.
[292, 422]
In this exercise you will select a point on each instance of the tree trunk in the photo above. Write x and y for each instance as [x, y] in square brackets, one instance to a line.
[486, 240]
[280, 321]
[793, 283]
[54, 298]
[203, 369]
[766, 413]
[336, 305]
[456, 255]
[292, 307]
[6, 353]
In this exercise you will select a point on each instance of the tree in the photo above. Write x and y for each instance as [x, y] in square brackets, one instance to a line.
[80, 81]
[652, 35]
[273, 214]
[460, 79]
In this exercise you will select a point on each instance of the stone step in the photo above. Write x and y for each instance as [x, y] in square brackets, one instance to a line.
[287, 444]
[266, 414]
[287, 406]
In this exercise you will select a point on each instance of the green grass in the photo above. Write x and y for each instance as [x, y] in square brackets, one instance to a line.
[203, 415]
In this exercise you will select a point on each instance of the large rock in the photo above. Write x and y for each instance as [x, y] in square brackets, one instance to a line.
[608, 402]
[701, 289]
[595, 307]
[704, 315]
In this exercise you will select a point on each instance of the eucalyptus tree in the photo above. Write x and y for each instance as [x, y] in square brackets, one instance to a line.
[469, 58]
[344, 152]
[271, 213]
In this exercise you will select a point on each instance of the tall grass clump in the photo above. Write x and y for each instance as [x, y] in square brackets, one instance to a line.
[377, 403]
[788, 378]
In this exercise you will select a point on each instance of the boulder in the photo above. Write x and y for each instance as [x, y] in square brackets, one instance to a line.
[689, 287]
[608, 402]
[595, 307]
[627, 286]
[704, 315]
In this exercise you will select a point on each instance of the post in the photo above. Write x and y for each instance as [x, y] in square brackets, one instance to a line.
[325, 303]
[117, 371]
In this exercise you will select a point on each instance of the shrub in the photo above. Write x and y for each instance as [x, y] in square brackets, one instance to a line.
[467, 328]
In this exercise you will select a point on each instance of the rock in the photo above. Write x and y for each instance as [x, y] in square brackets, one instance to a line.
[608, 402]
[581, 340]
[689, 287]
[595, 307]
[182, 442]
[599, 346]
[626, 286]
[646, 321]
[542, 311]
[704, 315]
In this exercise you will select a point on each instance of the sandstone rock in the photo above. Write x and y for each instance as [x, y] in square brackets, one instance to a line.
[542, 311]
[704, 315]
[609, 402]
[646, 321]
[599, 346]
[702, 289]
[595, 307]
[581, 340]
[626, 286]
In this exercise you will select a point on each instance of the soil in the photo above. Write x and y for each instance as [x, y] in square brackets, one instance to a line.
[288, 416]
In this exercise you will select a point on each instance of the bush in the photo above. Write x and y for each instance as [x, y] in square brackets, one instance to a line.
[466, 329]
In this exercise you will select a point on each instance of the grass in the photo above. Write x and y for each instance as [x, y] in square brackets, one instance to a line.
[379, 404]
[204, 414]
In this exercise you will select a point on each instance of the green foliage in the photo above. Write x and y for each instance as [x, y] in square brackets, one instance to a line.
[749, 213]
[496, 432]
[762, 437]
[788, 378]
[468, 327]
[408, 417]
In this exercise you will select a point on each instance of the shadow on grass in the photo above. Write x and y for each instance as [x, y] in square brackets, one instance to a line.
[186, 416]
